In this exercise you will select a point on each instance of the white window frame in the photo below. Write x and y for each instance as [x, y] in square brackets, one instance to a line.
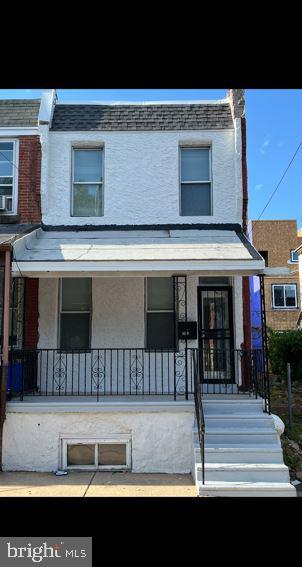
[285, 307]
[209, 182]
[156, 311]
[15, 142]
[118, 439]
[61, 311]
[82, 148]
[291, 257]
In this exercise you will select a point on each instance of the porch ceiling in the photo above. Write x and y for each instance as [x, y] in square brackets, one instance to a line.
[102, 252]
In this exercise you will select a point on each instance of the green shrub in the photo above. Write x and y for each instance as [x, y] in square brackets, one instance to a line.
[283, 348]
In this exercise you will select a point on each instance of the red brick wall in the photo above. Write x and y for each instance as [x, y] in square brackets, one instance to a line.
[31, 313]
[29, 206]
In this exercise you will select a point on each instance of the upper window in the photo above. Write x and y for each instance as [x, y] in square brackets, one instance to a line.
[160, 314]
[284, 296]
[75, 313]
[7, 177]
[294, 256]
[87, 183]
[195, 175]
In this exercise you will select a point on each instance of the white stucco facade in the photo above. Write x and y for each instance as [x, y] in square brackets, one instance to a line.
[141, 176]
[161, 441]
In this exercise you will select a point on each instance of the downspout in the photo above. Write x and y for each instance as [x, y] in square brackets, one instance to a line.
[247, 333]
[5, 345]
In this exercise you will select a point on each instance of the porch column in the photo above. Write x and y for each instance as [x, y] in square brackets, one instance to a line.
[5, 344]
[31, 312]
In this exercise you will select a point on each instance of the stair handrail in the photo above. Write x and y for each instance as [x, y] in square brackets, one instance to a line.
[199, 408]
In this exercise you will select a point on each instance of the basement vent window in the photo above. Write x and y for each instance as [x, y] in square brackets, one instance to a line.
[103, 454]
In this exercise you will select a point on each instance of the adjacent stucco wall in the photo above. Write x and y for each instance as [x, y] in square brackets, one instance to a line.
[141, 177]
[161, 441]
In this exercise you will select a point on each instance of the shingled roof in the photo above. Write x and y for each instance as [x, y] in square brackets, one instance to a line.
[19, 112]
[142, 117]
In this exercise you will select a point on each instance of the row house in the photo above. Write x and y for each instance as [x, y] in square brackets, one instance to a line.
[140, 266]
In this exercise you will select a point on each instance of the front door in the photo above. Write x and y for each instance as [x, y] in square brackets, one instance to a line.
[215, 334]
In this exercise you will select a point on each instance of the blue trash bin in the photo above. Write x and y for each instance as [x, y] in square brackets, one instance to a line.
[14, 377]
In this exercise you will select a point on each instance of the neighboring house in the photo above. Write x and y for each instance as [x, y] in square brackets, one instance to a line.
[276, 241]
[141, 265]
[20, 210]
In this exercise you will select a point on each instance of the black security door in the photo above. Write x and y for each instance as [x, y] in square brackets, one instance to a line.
[215, 325]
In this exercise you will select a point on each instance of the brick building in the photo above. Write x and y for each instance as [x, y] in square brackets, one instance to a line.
[20, 207]
[276, 240]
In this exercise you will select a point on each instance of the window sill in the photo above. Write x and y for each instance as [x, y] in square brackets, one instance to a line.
[286, 308]
[87, 216]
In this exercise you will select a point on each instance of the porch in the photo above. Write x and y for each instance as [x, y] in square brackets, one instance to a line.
[136, 313]
[136, 374]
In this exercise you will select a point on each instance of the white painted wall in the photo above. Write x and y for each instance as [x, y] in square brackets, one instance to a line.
[141, 176]
[161, 441]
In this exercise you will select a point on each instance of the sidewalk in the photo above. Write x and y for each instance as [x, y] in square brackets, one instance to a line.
[85, 484]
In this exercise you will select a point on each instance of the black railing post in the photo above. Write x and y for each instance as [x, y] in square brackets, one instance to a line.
[200, 421]
[186, 373]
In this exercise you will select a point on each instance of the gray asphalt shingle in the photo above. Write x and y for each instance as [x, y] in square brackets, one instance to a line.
[140, 117]
[19, 112]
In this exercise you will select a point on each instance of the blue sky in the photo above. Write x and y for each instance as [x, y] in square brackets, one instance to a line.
[274, 130]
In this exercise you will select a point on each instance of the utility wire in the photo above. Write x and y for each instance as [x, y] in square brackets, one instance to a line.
[276, 188]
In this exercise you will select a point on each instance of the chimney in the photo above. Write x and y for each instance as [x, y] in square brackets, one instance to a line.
[237, 102]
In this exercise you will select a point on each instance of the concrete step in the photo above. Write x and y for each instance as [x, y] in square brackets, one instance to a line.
[241, 454]
[246, 489]
[243, 472]
[232, 407]
[238, 421]
[234, 436]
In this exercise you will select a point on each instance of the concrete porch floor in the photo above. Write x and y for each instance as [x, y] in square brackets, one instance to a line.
[87, 484]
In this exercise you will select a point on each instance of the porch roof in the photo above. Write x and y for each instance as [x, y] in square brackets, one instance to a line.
[44, 253]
